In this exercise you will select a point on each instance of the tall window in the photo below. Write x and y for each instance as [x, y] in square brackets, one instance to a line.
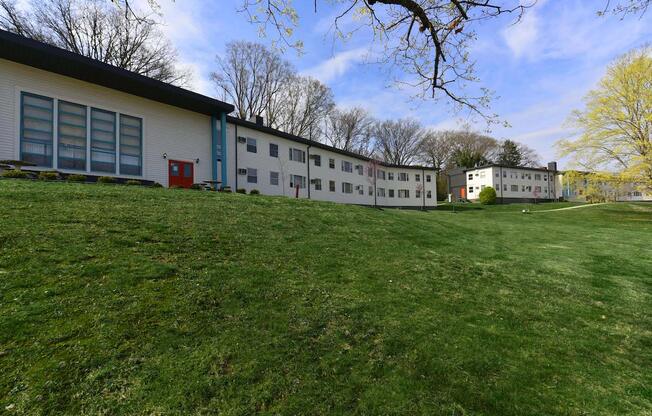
[380, 192]
[429, 195]
[252, 145]
[72, 136]
[331, 186]
[359, 169]
[331, 163]
[273, 150]
[297, 180]
[417, 177]
[36, 129]
[252, 175]
[428, 178]
[404, 177]
[317, 183]
[347, 166]
[102, 141]
[391, 193]
[273, 178]
[390, 176]
[131, 145]
[380, 174]
[297, 155]
[347, 188]
[317, 159]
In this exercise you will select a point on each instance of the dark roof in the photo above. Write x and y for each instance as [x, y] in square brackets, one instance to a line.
[496, 165]
[60, 61]
[297, 139]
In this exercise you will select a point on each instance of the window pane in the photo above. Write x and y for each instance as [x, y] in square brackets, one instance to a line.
[102, 141]
[131, 145]
[37, 129]
[72, 136]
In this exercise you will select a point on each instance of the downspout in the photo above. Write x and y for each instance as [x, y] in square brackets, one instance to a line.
[308, 162]
[224, 149]
[235, 147]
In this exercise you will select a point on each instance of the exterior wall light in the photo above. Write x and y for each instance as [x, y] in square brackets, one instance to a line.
[165, 155]
[197, 161]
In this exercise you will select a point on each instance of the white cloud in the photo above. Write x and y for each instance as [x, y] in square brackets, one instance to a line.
[522, 36]
[338, 65]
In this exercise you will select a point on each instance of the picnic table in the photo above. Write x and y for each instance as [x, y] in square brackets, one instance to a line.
[212, 184]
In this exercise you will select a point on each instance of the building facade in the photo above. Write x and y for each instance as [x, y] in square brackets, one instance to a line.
[513, 184]
[68, 113]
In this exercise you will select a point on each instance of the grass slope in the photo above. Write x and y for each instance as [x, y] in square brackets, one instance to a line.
[118, 300]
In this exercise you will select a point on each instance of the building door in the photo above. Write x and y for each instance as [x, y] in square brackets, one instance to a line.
[181, 174]
[463, 193]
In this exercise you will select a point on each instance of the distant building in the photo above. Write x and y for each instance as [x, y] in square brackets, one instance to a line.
[513, 184]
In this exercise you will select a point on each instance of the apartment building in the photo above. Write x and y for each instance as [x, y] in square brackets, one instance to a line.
[513, 184]
[575, 190]
[69, 113]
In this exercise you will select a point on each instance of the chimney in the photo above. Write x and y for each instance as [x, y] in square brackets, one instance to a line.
[259, 120]
[552, 166]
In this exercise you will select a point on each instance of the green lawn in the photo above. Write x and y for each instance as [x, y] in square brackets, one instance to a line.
[127, 300]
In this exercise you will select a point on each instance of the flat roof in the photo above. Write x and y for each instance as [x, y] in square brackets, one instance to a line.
[298, 139]
[495, 165]
[50, 58]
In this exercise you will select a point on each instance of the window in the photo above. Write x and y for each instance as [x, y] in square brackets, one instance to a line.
[331, 163]
[36, 129]
[380, 174]
[273, 178]
[359, 169]
[72, 136]
[347, 188]
[252, 145]
[390, 176]
[470, 176]
[360, 189]
[347, 166]
[514, 188]
[497, 174]
[504, 174]
[537, 189]
[417, 193]
[504, 187]
[391, 193]
[297, 155]
[102, 141]
[380, 192]
[331, 185]
[513, 175]
[470, 189]
[297, 180]
[252, 175]
[131, 145]
[545, 178]
[497, 186]
[537, 176]
[417, 177]
[317, 159]
[429, 195]
[370, 171]
[317, 183]
[428, 178]
[527, 188]
[273, 150]
[403, 177]
[371, 191]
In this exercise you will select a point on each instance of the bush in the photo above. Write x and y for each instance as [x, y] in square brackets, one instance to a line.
[254, 192]
[156, 185]
[76, 178]
[133, 182]
[106, 179]
[241, 191]
[48, 176]
[488, 196]
[197, 186]
[14, 173]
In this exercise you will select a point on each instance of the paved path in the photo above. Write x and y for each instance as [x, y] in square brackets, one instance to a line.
[573, 207]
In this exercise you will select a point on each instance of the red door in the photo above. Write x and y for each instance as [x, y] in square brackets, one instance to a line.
[181, 174]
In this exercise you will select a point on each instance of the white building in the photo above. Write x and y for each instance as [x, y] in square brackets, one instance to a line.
[575, 190]
[72, 114]
[512, 184]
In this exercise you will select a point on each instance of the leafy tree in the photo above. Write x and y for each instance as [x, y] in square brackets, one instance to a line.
[512, 154]
[488, 196]
[616, 125]
[96, 29]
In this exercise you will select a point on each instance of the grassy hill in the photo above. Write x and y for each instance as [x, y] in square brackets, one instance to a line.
[126, 300]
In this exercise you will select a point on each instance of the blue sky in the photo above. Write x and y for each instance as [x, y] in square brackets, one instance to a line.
[540, 68]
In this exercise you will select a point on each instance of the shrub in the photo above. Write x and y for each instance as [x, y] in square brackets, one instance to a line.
[197, 186]
[241, 191]
[106, 179]
[76, 178]
[488, 196]
[14, 173]
[156, 185]
[133, 182]
[48, 176]
[254, 192]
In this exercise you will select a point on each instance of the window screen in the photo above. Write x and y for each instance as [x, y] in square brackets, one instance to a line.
[36, 129]
[102, 141]
[131, 145]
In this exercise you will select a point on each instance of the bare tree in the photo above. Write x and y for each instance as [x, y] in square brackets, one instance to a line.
[398, 141]
[472, 149]
[252, 77]
[350, 130]
[304, 102]
[96, 29]
[436, 148]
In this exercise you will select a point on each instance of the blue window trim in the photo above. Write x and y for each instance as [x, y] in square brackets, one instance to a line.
[70, 136]
[140, 144]
[24, 94]
[113, 143]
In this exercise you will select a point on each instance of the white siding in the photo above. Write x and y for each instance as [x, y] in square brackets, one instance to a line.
[503, 179]
[182, 134]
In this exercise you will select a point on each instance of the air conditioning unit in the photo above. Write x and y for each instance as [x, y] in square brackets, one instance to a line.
[242, 171]
[242, 139]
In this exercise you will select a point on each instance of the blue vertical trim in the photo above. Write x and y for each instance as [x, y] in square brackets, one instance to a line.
[224, 148]
[214, 148]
